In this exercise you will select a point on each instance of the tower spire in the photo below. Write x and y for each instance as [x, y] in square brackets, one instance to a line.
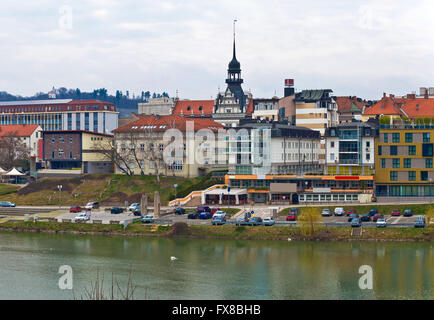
[234, 40]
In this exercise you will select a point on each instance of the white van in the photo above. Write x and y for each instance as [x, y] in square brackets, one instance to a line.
[339, 211]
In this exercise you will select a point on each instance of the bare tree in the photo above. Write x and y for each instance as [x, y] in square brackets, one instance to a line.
[116, 153]
[13, 151]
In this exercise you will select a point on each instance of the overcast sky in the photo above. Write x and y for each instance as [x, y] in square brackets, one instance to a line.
[361, 48]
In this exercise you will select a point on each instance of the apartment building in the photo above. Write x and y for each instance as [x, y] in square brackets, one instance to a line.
[404, 160]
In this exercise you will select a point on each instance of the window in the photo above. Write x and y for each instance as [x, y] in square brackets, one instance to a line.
[411, 150]
[395, 137]
[393, 175]
[408, 137]
[70, 154]
[368, 144]
[393, 150]
[142, 147]
[52, 155]
[383, 163]
[332, 156]
[70, 139]
[396, 163]
[428, 163]
[407, 163]
[426, 137]
[368, 156]
[424, 175]
[427, 150]
[380, 150]
[411, 175]
[332, 144]
[386, 137]
[53, 139]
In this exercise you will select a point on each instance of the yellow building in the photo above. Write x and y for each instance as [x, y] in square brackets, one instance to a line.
[404, 161]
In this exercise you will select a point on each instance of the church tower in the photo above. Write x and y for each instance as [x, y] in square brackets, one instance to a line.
[231, 105]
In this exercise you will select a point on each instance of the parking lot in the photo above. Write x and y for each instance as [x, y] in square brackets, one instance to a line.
[104, 216]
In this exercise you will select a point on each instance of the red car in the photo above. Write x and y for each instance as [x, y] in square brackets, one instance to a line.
[396, 212]
[377, 216]
[75, 209]
[350, 211]
[213, 211]
[291, 217]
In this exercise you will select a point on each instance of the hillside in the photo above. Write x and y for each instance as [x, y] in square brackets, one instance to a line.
[108, 189]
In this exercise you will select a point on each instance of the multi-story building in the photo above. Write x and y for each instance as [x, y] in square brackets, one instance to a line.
[161, 106]
[266, 109]
[77, 149]
[404, 160]
[350, 108]
[141, 146]
[350, 149]
[61, 114]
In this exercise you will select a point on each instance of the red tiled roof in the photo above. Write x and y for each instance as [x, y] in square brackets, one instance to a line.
[386, 106]
[163, 123]
[345, 103]
[188, 107]
[419, 107]
[18, 130]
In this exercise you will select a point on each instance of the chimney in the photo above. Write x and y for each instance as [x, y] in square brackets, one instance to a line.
[426, 96]
[157, 116]
[384, 94]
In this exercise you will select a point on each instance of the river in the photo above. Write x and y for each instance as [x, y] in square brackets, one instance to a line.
[213, 269]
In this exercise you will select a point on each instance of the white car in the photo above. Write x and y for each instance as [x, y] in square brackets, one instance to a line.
[133, 206]
[268, 221]
[381, 223]
[148, 219]
[91, 205]
[326, 213]
[339, 211]
[84, 216]
[219, 213]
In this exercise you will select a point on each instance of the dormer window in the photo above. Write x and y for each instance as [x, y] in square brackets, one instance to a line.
[188, 108]
[200, 108]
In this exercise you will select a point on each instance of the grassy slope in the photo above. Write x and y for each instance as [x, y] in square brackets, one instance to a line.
[384, 209]
[97, 187]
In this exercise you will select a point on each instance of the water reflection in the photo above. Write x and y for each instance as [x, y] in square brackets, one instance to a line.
[215, 269]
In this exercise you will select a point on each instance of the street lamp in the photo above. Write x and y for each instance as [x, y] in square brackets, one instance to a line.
[59, 187]
[430, 191]
[175, 186]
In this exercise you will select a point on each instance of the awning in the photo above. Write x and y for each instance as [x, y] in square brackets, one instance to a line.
[14, 172]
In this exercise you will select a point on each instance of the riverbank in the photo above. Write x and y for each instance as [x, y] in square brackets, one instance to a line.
[229, 232]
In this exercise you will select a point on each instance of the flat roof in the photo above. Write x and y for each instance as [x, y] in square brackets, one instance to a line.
[33, 102]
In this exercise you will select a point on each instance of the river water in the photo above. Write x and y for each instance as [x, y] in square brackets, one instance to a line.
[213, 269]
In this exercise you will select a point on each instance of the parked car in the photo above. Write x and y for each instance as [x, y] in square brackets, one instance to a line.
[179, 211]
[75, 209]
[326, 213]
[202, 209]
[355, 222]
[92, 205]
[291, 217]
[255, 221]
[350, 211]
[137, 212]
[205, 215]
[218, 220]
[116, 210]
[373, 212]
[365, 218]
[352, 216]
[82, 217]
[381, 223]
[241, 221]
[396, 212]
[219, 213]
[133, 206]
[148, 219]
[213, 210]
[268, 221]
[408, 213]
[377, 216]
[420, 222]
[194, 215]
[7, 204]
[339, 211]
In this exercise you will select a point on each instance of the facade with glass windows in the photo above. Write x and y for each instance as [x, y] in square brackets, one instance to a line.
[404, 161]
[61, 114]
